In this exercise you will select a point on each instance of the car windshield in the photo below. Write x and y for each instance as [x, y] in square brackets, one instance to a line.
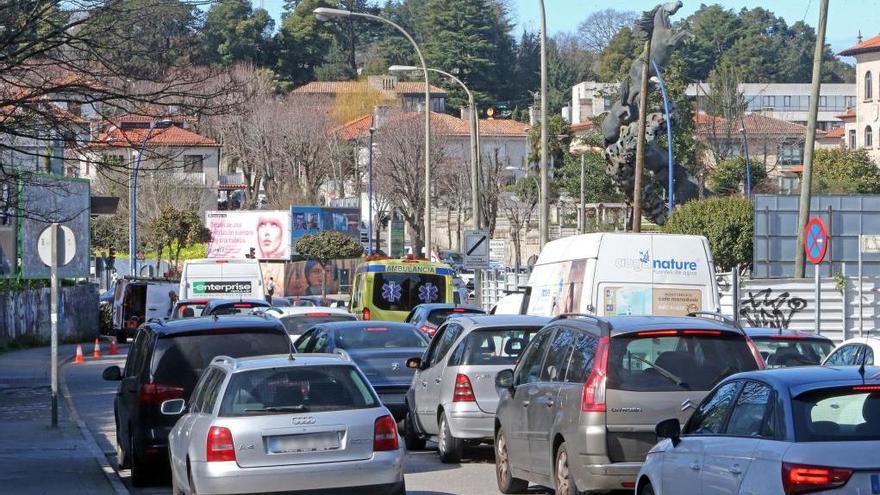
[438, 316]
[673, 360]
[296, 389]
[780, 352]
[837, 415]
[498, 346]
[404, 291]
[179, 360]
[378, 336]
[300, 324]
[190, 310]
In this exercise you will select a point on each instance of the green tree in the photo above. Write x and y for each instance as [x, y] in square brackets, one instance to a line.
[108, 231]
[616, 59]
[729, 175]
[176, 230]
[325, 246]
[843, 171]
[303, 42]
[559, 137]
[598, 185]
[726, 221]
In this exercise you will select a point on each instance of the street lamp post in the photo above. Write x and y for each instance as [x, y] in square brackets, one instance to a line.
[132, 207]
[748, 164]
[671, 185]
[544, 213]
[370, 188]
[324, 14]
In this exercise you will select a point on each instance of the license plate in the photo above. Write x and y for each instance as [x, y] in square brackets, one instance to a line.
[875, 483]
[305, 442]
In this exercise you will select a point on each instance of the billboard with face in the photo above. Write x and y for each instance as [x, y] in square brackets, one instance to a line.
[234, 233]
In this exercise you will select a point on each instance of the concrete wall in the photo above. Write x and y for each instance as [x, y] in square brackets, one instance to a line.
[25, 315]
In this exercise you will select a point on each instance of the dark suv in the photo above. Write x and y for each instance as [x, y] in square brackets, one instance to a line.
[577, 413]
[165, 362]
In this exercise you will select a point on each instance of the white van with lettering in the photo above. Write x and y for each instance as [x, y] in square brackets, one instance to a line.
[613, 274]
[221, 279]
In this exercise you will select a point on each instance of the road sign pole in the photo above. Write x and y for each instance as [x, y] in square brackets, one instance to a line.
[861, 319]
[54, 320]
[818, 295]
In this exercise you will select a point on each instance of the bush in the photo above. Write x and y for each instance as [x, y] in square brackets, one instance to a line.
[727, 175]
[728, 223]
[842, 171]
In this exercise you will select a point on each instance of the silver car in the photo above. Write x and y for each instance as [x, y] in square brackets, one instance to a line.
[453, 396]
[281, 423]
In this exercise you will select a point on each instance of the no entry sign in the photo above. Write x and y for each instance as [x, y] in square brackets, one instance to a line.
[816, 240]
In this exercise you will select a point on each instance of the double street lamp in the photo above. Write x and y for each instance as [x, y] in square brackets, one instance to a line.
[325, 14]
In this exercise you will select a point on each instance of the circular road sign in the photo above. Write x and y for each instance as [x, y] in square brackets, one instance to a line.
[816, 240]
[66, 247]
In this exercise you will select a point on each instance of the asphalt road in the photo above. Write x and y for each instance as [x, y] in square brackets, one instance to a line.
[425, 474]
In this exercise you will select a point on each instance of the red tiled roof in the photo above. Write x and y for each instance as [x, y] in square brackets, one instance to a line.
[355, 128]
[443, 124]
[164, 136]
[866, 46]
[754, 124]
[850, 114]
[338, 87]
[836, 133]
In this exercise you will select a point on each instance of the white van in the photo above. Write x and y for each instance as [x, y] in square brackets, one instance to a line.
[221, 279]
[610, 274]
[138, 300]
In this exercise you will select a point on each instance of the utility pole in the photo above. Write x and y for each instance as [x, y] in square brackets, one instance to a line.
[582, 212]
[53, 317]
[544, 212]
[809, 145]
[640, 144]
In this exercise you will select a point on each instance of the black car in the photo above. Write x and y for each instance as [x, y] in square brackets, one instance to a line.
[428, 317]
[782, 348]
[218, 307]
[379, 348]
[165, 362]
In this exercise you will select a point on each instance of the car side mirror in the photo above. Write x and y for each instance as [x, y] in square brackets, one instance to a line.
[173, 407]
[414, 363]
[112, 374]
[671, 429]
[504, 379]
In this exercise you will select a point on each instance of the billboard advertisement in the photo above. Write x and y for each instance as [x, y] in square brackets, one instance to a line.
[8, 228]
[45, 200]
[234, 233]
[313, 219]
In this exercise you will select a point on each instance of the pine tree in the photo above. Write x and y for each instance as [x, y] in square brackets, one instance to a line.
[234, 32]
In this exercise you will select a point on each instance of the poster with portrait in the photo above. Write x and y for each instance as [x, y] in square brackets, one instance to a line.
[234, 233]
[304, 278]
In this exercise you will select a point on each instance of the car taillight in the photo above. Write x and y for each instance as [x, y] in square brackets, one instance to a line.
[463, 390]
[385, 434]
[365, 314]
[593, 395]
[756, 354]
[798, 478]
[220, 446]
[154, 394]
[428, 329]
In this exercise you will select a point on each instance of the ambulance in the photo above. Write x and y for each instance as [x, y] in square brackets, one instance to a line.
[388, 289]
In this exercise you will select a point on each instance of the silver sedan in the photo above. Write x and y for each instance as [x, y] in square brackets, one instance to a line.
[284, 423]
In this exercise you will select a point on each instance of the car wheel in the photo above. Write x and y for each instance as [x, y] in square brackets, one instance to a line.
[646, 489]
[564, 483]
[412, 439]
[506, 482]
[140, 471]
[449, 447]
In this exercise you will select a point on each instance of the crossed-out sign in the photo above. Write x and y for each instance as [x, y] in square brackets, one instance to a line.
[816, 240]
[476, 249]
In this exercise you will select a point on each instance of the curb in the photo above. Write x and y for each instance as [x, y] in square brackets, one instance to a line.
[92, 444]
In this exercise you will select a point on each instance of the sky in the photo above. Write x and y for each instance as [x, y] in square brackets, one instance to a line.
[845, 17]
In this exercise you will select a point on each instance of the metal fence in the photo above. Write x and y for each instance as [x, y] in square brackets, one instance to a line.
[498, 283]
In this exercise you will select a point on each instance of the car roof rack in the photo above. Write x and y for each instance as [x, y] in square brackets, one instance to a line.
[224, 360]
[590, 316]
[342, 354]
[710, 315]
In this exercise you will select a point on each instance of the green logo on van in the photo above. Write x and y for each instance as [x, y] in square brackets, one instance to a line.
[202, 288]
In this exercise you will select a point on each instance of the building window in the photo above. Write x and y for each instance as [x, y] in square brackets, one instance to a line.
[786, 101]
[869, 137]
[852, 139]
[868, 86]
[850, 102]
[193, 164]
[791, 153]
[769, 102]
[823, 102]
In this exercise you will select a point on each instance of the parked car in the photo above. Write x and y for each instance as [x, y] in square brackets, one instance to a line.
[380, 349]
[453, 396]
[164, 362]
[188, 308]
[782, 348]
[308, 423]
[137, 300]
[298, 320]
[854, 352]
[428, 317]
[578, 412]
[786, 431]
[217, 307]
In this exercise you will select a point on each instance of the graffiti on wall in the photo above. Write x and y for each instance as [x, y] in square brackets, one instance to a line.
[763, 308]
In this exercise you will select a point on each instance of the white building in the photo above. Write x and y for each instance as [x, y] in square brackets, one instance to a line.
[590, 99]
[863, 124]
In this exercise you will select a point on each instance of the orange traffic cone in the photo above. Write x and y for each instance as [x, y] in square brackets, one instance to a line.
[97, 353]
[113, 350]
[79, 359]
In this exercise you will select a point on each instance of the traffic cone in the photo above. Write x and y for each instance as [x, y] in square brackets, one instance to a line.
[97, 353]
[79, 359]
[113, 350]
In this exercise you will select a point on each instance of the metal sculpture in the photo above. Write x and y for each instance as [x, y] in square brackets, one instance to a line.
[620, 126]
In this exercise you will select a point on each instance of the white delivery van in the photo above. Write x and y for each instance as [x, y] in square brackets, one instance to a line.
[221, 279]
[611, 274]
[136, 300]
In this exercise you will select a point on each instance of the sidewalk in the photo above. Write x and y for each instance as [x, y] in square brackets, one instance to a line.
[34, 457]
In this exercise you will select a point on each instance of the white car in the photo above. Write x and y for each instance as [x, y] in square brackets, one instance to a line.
[781, 431]
[853, 352]
[298, 320]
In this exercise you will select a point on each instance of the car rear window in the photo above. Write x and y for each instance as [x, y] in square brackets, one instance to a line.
[675, 360]
[180, 360]
[188, 310]
[300, 324]
[404, 291]
[438, 316]
[488, 347]
[296, 389]
[378, 336]
[838, 415]
[237, 309]
[779, 352]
